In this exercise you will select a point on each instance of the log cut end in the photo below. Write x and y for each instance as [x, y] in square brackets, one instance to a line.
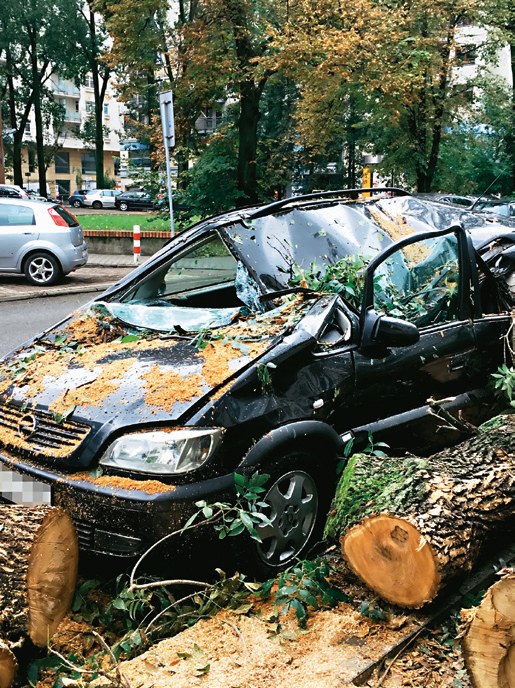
[489, 644]
[8, 666]
[51, 575]
[390, 555]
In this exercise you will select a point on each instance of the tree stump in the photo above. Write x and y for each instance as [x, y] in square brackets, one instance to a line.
[489, 643]
[8, 666]
[406, 525]
[38, 571]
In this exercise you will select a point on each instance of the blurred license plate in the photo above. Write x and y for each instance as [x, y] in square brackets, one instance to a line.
[22, 489]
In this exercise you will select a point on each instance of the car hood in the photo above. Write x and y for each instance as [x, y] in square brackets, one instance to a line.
[96, 370]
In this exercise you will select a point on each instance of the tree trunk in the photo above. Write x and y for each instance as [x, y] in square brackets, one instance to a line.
[489, 643]
[36, 86]
[38, 571]
[250, 96]
[8, 666]
[408, 525]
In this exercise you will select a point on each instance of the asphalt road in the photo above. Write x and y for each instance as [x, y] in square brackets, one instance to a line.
[20, 320]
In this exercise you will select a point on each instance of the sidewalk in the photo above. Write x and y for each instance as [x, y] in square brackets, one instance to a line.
[99, 273]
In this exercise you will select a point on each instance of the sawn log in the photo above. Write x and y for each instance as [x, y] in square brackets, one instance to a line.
[489, 643]
[38, 571]
[407, 525]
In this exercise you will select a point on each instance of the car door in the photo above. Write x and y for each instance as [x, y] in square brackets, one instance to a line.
[425, 282]
[17, 228]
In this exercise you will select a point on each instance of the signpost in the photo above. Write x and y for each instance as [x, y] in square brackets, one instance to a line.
[167, 124]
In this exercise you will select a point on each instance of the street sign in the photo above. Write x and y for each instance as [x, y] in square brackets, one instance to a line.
[166, 107]
[167, 124]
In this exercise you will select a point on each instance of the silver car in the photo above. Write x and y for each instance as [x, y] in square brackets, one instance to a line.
[43, 241]
[100, 198]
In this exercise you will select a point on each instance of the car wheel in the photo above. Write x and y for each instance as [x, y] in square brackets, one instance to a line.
[123, 206]
[97, 205]
[297, 502]
[76, 204]
[42, 269]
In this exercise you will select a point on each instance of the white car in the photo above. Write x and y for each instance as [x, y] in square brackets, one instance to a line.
[12, 191]
[101, 198]
[43, 241]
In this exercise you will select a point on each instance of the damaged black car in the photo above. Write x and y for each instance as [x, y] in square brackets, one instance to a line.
[264, 339]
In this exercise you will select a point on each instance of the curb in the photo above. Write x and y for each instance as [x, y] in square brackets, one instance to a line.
[86, 289]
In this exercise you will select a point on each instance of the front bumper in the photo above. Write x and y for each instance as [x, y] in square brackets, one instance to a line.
[116, 521]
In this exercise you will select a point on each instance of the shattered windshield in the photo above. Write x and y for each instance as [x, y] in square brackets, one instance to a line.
[278, 246]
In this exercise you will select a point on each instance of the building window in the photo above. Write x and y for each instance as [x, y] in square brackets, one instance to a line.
[466, 55]
[76, 106]
[106, 109]
[62, 162]
[89, 82]
[63, 188]
[90, 106]
[27, 128]
[88, 163]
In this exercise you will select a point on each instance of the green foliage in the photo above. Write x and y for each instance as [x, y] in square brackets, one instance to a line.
[372, 610]
[211, 185]
[230, 520]
[505, 383]
[302, 587]
[345, 277]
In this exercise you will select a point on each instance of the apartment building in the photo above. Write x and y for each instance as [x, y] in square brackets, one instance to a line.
[73, 165]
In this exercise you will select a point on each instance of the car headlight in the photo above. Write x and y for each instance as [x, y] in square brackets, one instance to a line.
[162, 452]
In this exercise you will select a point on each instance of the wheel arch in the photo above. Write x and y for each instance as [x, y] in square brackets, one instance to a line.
[310, 436]
[41, 249]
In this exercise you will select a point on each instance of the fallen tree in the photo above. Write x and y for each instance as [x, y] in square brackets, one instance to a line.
[489, 642]
[38, 574]
[408, 525]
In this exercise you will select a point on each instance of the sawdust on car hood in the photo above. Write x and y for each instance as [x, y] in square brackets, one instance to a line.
[95, 368]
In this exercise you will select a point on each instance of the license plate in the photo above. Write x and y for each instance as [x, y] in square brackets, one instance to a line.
[22, 489]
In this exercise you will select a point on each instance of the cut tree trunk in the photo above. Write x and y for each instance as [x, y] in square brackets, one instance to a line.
[489, 643]
[8, 666]
[407, 525]
[38, 571]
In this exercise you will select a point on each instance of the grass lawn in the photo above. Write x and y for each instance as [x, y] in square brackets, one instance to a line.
[123, 221]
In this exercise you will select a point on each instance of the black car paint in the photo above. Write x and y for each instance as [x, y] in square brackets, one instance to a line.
[317, 395]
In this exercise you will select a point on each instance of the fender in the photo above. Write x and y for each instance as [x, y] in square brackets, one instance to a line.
[304, 434]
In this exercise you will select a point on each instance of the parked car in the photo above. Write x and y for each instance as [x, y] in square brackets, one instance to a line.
[100, 198]
[43, 241]
[134, 200]
[33, 196]
[76, 199]
[264, 339]
[11, 191]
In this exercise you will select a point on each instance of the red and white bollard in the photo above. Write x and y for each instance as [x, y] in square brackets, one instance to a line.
[136, 238]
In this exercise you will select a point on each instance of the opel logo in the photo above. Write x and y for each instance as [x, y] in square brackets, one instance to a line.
[27, 426]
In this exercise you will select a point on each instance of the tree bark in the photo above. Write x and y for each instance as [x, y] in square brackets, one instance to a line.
[408, 525]
[489, 643]
[38, 571]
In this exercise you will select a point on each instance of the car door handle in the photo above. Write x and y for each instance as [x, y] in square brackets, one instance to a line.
[458, 362]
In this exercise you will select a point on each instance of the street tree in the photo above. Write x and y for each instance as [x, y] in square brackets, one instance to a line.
[40, 39]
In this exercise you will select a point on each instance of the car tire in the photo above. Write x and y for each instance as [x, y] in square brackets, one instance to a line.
[298, 500]
[97, 205]
[42, 269]
[123, 206]
[76, 204]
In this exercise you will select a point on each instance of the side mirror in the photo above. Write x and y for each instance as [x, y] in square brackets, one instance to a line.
[382, 330]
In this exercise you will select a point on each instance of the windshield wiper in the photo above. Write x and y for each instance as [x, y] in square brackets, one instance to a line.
[284, 292]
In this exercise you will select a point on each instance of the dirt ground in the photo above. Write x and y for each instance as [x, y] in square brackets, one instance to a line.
[260, 648]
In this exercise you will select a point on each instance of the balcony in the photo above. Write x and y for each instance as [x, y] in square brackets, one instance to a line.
[63, 88]
[74, 117]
